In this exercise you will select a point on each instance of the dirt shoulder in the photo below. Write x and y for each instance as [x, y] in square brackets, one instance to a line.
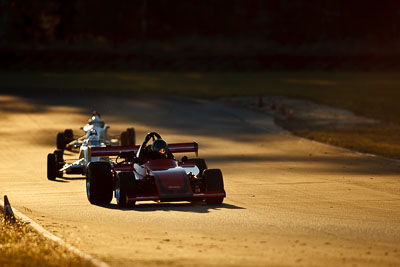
[326, 124]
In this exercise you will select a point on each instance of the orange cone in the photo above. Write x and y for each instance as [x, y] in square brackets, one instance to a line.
[8, 213]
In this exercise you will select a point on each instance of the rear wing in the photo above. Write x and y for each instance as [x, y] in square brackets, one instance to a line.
[184, 147]
[116, 150]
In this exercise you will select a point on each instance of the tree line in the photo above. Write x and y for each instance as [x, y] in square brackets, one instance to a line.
[282, 21]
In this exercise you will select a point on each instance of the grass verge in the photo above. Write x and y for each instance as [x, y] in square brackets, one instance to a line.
[20, 245]
[378, 140]
[371, 94]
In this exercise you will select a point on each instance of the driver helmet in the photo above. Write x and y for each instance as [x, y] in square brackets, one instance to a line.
[92, 132]
[96, 121]
[159, 146]
[95, 113]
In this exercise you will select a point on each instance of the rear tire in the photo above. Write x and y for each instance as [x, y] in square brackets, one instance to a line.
[124, 139]
[61, 141]
[131, 136]
[125, 185]
[99, 183]
[214, 182]
[51, 167]
[68, 135]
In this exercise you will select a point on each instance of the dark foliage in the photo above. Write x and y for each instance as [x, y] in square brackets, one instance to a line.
[283, 21]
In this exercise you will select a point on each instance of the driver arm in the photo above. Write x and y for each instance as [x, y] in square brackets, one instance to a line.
[170, 155]
[144, 156]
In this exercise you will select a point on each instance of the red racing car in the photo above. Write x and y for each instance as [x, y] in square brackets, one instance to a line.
[151, 172]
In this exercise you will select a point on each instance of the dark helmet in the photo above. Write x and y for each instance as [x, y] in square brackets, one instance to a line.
[160, 146]
[93, 132]
[95, 113]
[97, 121]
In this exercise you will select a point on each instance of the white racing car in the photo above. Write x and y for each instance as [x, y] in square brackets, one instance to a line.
[67, 141]
[95, 136]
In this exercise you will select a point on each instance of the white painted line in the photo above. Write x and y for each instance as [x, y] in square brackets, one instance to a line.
[56, 239]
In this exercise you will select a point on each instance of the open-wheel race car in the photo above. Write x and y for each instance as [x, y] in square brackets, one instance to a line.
[151, 173]
[95, 136]
[67, 141]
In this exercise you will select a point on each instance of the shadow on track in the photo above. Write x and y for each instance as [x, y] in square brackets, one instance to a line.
[189, 117]
[181, 207]
[68, 179]
[168, 113]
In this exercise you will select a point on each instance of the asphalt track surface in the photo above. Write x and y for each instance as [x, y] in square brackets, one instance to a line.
[290, 201]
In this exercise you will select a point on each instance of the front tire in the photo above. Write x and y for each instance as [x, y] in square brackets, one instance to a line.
[214, 182]
[51, 167]
[99, 184]
[61, 141]
[59, 154]
[125, 185]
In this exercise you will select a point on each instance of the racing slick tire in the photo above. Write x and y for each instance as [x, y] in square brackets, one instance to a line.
[59, 161]
[131, 136]
[125, 185]
[59, 154]
[201, 164]
[214, 182]
[99, 183]
[61, 141]
[51, 167]
[124, 139]
[68, 135]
